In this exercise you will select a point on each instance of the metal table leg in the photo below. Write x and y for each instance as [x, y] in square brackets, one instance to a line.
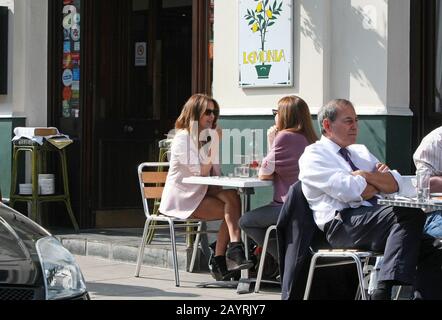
[245, 281]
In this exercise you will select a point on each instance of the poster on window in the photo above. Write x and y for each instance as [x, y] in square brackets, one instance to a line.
[71, 24]
[265, 43]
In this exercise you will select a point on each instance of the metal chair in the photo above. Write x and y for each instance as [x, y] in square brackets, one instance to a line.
[262, 260]
[360, 258]
[151, 187]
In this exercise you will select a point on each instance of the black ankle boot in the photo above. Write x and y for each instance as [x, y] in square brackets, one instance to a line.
[383, 292]
[218, 269]
[236, 258]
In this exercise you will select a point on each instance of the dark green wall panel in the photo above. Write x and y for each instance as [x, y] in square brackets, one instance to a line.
[387, 137]
[6, 134]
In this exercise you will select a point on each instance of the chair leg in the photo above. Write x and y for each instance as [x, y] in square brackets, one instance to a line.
[204, 241]
[262, 260]
[358, 293]
[308, 285]
[195, 247]
[398, 293]
[360, 271]
[14, 173]
[174, 253]
[71, 214]
[141, 249]
[64, 168]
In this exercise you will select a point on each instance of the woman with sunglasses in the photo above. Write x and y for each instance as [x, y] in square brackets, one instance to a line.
[287, 140]
[194, 151]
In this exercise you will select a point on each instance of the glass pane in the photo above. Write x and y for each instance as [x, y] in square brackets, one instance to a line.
[71, 59]
[438, 80]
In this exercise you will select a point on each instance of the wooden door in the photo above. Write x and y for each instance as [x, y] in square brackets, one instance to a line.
[126, 105]
[137, 98]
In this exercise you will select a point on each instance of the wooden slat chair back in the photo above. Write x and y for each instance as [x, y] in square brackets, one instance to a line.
[151, 187]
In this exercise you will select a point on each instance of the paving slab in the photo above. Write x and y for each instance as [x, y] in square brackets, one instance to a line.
[107, 280]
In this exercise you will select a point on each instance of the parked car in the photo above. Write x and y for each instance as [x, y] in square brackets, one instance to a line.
[33, 264]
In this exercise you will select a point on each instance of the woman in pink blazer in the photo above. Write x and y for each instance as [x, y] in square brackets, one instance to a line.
[194, 151]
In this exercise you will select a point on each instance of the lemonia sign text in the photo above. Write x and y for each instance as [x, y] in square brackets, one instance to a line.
[265, 43]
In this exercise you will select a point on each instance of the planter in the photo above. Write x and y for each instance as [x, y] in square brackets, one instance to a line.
[263, 71]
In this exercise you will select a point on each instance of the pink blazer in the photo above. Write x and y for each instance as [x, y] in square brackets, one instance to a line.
[181, 200]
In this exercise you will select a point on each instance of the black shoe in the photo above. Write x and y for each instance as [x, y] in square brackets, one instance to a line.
[218, 269]
[383, 292]
[236, 258]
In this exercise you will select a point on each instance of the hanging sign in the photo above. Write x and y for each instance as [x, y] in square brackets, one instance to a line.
[265, 43]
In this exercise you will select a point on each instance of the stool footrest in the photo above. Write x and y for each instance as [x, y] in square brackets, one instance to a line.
[41, 198]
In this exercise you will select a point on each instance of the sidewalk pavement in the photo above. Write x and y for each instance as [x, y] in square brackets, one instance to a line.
[113, 280]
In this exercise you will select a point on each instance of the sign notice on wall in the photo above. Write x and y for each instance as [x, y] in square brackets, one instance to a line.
[265, 43]
[140, 54]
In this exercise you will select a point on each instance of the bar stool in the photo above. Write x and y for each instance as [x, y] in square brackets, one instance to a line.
[38, 157]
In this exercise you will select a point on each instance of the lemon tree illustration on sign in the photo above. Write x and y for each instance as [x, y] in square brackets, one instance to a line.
[260, 20]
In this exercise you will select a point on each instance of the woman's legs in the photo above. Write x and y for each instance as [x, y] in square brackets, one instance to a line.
[226, 205]
[256, 222]
[222, 205]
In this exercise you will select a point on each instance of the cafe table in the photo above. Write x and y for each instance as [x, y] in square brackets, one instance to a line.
[246, 188]
[427, 206]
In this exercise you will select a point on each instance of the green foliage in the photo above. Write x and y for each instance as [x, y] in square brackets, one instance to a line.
[263, 17]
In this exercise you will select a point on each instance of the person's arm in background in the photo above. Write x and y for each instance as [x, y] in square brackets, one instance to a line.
[427, 157]
[436, 184]
[267, 169]
[271, 136]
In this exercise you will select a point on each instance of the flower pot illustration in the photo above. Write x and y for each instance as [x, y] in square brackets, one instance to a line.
[263, 71]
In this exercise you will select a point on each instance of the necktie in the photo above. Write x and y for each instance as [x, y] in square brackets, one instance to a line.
[346, 155]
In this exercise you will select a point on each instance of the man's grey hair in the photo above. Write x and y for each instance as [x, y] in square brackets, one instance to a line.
[330, 112]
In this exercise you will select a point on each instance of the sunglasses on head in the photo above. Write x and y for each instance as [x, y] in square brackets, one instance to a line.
[209, 112]
[275, 112]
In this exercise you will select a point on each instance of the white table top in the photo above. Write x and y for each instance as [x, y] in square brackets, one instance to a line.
[233, 182]
[412, 203]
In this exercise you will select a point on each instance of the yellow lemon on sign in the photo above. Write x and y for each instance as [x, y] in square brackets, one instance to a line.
[269, 13]
[259, 7]
[255, 27]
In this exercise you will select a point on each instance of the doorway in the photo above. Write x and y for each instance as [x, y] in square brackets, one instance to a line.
[140, 62]
[426, 67]
[143, 70]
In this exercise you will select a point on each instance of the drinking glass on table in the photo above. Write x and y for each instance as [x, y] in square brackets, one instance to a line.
[254, 165]
[242, 171]
[423, 185]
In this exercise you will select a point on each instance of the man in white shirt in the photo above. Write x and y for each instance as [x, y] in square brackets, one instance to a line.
[428, 157]
[341, 182]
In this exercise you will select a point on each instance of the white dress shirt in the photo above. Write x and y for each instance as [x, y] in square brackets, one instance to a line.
[327, 182]
[429, 154]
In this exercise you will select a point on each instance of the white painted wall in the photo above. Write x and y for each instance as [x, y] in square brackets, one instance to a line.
[353, 49]
[27, 87]
[398, 82]
[359, 55]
